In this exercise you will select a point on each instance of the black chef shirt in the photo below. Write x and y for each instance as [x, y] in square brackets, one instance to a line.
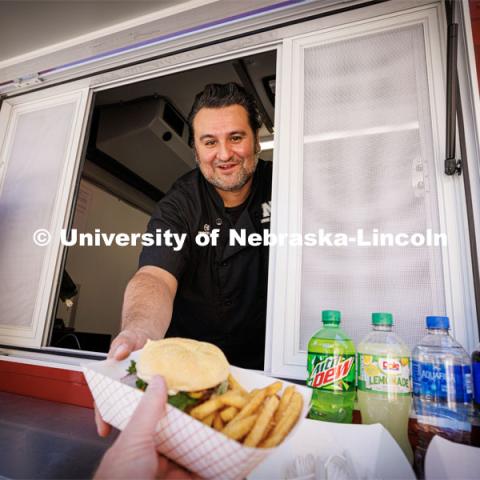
[222, 290]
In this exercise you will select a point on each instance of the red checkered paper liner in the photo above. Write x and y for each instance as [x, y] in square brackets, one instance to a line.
[186, 441]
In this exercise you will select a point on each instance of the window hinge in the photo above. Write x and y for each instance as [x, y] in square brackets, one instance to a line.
[453, 166]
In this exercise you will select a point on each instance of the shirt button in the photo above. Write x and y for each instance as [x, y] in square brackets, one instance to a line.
[223, 264]
[218, 221]
[228, 302]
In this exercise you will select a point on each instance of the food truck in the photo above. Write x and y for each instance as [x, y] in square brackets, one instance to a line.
[371, 118]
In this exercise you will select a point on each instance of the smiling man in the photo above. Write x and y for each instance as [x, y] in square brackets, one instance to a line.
[227, 159]
[211, 293]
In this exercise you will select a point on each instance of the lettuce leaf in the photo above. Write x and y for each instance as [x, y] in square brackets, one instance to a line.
[141, 384]
[182, 401]
[222, 388]
[132, 369]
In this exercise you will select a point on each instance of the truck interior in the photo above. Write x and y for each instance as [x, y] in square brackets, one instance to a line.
[137, 147]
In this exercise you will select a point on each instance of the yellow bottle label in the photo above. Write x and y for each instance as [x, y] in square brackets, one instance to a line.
[384, 374]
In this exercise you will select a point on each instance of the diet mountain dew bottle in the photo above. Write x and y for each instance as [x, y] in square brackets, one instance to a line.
[331, 371]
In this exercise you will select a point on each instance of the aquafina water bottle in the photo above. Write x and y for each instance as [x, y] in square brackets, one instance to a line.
[442, 389]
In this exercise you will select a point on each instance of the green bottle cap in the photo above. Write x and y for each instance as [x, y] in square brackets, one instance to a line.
[382, 318]
[331, 317]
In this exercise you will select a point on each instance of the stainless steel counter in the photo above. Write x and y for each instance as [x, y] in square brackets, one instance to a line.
[48, 440]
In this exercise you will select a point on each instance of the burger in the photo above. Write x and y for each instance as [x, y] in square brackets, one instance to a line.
[192, 370]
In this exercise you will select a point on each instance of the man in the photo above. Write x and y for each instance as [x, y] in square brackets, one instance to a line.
[210, 293]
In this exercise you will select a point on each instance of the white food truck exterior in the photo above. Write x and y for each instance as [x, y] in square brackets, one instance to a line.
[359, 146]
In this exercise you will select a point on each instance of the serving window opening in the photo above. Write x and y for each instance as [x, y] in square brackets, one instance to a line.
[137, 148]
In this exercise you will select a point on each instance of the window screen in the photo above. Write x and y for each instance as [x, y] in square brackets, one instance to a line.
[369, 164]
[27, 200]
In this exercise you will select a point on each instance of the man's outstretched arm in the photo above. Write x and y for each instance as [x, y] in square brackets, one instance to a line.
[147, 310]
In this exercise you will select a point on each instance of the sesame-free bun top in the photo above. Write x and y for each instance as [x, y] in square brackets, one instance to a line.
[187, 365]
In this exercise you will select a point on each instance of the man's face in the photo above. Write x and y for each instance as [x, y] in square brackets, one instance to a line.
[225, 147]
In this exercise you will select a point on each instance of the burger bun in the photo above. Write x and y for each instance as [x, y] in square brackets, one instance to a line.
[186, 365]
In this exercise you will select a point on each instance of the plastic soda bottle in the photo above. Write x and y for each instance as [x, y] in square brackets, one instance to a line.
[442, 389]
[384, 388]
[331, 371]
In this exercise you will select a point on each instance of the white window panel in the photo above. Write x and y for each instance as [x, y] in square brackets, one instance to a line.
[39, 154]
[364, 110]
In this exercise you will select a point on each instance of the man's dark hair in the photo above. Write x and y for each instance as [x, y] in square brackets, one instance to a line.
[217, 95]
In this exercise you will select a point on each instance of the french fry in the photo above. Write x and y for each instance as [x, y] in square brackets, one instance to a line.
[234, 385]
[237, 430]
[257, 432]
[228, 414]
[203, 410]
[286, 423]
[269, 429]
[233, 398]
[218, 422]
[273, 388]
[251, 406]
[252, 392]
[284, 401]
[208, 420]
[260, 418]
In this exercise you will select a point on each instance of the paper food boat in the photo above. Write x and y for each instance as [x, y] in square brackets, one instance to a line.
[371, 449]
[186, 441]
[446, 460]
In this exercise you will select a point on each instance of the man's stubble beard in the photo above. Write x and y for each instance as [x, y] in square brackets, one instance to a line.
[242, 177]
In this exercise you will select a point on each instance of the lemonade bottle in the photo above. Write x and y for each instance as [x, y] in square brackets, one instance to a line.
[384, 387]
[331, 371]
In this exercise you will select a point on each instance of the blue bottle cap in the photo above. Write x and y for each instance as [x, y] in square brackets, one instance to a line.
[438, 322]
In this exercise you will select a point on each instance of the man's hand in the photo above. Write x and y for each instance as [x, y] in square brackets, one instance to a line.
[127, 342]
[133, 455]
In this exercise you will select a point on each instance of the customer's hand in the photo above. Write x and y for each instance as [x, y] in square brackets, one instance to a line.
[122, 346]
[133, 455]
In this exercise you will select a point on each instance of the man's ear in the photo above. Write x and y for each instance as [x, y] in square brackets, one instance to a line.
[258, 148]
